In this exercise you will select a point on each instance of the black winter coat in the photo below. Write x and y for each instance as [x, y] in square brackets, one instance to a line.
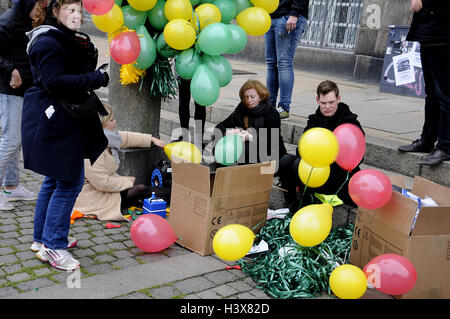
[291, 8]
[432, 23]
[264, 116]
[56, 146]
[13, 42]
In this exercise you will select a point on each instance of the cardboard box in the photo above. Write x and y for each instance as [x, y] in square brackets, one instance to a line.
[388, 230]
[203, 202]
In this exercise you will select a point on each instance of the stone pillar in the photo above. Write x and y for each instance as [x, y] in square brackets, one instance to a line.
[135, 111]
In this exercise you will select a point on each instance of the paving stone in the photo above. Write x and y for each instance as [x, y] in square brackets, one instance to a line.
[220, 277]
[225, 290]
[164, 292]
[208, 294]
[36, 283]
[32, 263]
[122, 254]
[24, 255]
[6, 250]
[98, 269]
[8, 259]
[18, 277]
[125, 262]
[240, 285]
[193, 284]
[8, 291]
[136, 295]
[116, 245]
[104, 258]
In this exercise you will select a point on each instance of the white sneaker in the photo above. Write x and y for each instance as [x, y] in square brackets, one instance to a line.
[58, 258]
[19, 193]
[4, 204]
[72, 242]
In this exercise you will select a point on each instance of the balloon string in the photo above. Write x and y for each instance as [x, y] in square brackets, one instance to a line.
[306, 186]
[346, 179]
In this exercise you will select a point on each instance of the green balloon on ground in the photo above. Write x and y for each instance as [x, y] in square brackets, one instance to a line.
[220, 67]
[186, 63]
[205, 88]
[148, 49]
[228, 149]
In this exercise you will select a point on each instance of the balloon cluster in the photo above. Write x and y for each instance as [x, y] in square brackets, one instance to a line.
[194, 32]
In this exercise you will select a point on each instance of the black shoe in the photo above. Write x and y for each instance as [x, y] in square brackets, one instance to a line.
[418, 145]
[434, 158]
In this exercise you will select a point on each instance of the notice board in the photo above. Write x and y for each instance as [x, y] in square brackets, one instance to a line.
[402, 71]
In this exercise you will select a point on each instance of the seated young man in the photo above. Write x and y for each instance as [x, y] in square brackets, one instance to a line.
[330, 113]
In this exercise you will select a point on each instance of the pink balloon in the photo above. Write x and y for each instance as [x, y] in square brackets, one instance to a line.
[98, 7]
[152, 233]
[352, 145]
[370, 188]
[125, 47]
[391, 274]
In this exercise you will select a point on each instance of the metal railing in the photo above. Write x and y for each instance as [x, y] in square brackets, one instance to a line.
[332, 24]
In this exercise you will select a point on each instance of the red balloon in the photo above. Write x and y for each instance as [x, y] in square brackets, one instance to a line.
[352, 145]
[370, 188]
[391, 274]
[152, 233]
[125, 47]
[98, 7]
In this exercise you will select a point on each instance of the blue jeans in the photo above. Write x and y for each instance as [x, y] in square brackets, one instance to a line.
[280, 50]
[53, 210]
[10, 141]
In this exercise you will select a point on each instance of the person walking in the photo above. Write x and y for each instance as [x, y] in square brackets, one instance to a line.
[15, 79]
[288, 23]
[55, 143]
[431, 28]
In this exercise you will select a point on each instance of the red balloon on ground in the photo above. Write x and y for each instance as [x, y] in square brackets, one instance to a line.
[98, 7]
[352, 145]
[370, 188]
[152, 233]
[125, 47]
[391, 274]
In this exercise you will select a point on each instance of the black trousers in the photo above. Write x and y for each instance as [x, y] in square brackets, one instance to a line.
[184, 99]
[436, 74]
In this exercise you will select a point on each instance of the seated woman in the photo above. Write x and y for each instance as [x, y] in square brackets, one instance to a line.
[104, 191]
[330, 113]
[257, 122]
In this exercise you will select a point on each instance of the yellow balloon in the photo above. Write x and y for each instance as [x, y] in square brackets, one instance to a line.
[142, 5]
[318, 177]
[311, 224]
[348, 282]
[184, 151]
[318, 147]
[232, 242]
[178, 9]
[268, 5]
[205, 14]
[110, 21]
[179, 34]
[255, 21]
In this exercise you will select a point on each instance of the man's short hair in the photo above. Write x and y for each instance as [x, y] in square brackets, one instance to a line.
[326, 87]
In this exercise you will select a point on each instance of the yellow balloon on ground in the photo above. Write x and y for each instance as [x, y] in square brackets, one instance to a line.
[179, 34]
[184, 151]
[206, 14]
[268, 5]
[318, 147]
[311, 224]
[255, 21]
[318, 177]
[348, 282]
[232, 242]
[142, 5]
[178, 9]
[110, 21]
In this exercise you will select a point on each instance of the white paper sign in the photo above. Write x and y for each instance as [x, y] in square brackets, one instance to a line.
[403, 69]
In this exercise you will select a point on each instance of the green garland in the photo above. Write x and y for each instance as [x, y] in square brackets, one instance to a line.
[163, 82]
[304, 271]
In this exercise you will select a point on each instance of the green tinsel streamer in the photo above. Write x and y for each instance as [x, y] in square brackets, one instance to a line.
[303, 272]
[163, 83]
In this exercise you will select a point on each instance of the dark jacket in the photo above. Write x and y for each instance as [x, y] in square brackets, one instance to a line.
[264, 116]
[432, 23]
[66, 62]
[13, 42]
[291, 8]
[337, 174]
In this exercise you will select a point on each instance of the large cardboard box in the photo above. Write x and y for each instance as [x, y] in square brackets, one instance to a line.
[427, 246]
[202, 202]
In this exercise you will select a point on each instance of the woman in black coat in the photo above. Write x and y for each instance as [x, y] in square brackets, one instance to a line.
[54, 143]
[257, 122]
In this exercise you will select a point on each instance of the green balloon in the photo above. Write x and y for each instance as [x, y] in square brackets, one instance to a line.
[186, 63]
[118, 2]
[205, 88]
[148, 49]
[132, 18]
[241, 5]
[214, 39]
[228, 149]
[156, 16]
[194, 2]
[220, 67]
[205, 1]
[227, 10]
[163, 48]
[238, 38]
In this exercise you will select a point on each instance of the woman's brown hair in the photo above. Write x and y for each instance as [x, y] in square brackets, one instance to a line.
[260, 88]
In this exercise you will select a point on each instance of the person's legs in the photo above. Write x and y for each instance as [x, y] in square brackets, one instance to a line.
[287, 179]
[271, 62]
[184, 98]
